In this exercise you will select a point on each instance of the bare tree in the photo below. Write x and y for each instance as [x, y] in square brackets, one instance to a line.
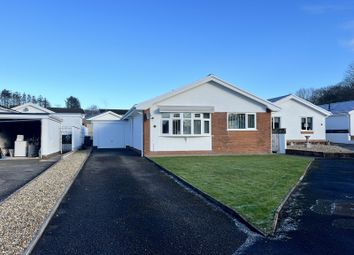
[306, 93]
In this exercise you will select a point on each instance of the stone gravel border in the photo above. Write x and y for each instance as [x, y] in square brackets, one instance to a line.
[25, 214]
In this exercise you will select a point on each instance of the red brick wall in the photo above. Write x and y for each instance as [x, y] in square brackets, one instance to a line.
[241, 142]
[223, 141]
[146, 133]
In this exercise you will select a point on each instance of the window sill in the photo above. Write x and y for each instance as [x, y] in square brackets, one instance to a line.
[306, 132]
[185, 136]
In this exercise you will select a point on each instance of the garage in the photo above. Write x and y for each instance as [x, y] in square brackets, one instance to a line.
[29, 135]
[108, 131]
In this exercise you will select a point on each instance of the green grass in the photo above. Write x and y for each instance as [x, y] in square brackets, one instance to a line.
[252, 185]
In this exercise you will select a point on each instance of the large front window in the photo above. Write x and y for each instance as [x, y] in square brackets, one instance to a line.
[240, 121]
[185, 123]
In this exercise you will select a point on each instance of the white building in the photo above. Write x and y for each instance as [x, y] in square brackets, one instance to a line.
[340, 125]
[108, 130]
[40, 130]
[300, 118]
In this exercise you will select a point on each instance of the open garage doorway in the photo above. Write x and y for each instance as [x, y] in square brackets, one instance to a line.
[11, 142]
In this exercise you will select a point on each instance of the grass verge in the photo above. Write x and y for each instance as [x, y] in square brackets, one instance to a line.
[252, 185]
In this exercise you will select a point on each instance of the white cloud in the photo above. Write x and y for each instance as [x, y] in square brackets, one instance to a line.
[325, 8]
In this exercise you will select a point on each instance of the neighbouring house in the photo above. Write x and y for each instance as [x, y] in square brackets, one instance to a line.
[340, 125]
[299, 118]
[107, 129]
[72, 129]
[41, 131]
[210, 116]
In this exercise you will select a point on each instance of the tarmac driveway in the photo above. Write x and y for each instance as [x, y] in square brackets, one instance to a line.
[16, 173]
[319, 216]
[123, 204]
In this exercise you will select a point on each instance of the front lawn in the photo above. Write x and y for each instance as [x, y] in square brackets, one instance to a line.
[253, 185]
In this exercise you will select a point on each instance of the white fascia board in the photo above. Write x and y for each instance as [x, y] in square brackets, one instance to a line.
[34, 106]
[96, 118]
[29, 116]
[306, 103]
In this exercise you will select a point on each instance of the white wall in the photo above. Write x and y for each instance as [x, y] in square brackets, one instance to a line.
[209, 94]
[290, 115]
[51, 137]
[69, 120]
[212, 94]
[137, 131]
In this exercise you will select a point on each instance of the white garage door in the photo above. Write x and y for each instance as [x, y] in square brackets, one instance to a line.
[109, 135]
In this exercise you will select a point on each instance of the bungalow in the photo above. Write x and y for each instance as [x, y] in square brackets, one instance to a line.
[210, 116]
[300, 118]
[340, 125]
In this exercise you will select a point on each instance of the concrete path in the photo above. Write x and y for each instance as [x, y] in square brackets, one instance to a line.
[16, 173]
[319, 217]
[122, 204]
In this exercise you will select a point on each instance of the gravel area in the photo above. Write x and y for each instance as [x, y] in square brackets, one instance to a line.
[23, 213]
[321, 148]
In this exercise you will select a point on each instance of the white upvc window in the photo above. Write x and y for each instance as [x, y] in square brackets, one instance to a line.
[185, 124]
[241, 121]
[276, 122]
[306, 123]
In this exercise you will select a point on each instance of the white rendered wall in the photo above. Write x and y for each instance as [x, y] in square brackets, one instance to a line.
[290, 119]
[209, 94]
[69, 120]
[51, 137]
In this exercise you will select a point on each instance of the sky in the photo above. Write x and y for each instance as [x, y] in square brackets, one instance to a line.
[114, 54]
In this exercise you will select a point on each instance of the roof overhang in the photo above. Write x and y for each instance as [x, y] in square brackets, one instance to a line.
[28, 116]
[304, 102]
[183, 108]
[97, 117]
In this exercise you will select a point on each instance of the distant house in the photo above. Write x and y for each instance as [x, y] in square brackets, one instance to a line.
[340, 125]
[210, 116]
[300, 118]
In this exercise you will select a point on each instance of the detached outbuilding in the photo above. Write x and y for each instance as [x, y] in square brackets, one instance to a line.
[40, 130]
[340, 125]
[108, 130]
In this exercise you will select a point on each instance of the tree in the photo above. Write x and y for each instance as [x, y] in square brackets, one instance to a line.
[305, 93]
[92, 111]
[72, 103]
[45, 103]
[349, 77]
[5, 98]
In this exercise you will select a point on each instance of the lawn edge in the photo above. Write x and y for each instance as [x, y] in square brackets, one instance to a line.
[286, 198]
[226, 209]
[44, 225]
